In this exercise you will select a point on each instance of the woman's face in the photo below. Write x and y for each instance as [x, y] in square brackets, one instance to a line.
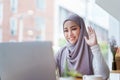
[71, 31]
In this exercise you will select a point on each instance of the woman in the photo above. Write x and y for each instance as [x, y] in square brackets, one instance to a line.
[82, 52]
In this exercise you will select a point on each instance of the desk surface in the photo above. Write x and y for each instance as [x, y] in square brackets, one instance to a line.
[115, 71]
[69, 78]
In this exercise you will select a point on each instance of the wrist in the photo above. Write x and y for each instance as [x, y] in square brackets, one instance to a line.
[95, 48]
[91, 45]
[94, 44]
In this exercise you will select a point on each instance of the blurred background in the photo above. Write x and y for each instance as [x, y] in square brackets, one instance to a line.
[41, 20]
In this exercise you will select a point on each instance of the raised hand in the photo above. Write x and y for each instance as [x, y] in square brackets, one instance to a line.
[92, 39]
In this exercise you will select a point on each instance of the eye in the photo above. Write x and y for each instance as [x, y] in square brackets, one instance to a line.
[74, 28]
[65, 30]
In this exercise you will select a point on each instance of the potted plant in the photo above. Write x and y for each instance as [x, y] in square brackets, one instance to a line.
[113, 47]
[70, 74]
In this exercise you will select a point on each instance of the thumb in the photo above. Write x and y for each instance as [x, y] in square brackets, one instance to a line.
[86, 39]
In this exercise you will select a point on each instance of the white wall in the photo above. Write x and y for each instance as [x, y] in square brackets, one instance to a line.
[111, 6]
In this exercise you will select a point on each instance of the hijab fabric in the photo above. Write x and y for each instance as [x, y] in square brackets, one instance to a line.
[78, 56]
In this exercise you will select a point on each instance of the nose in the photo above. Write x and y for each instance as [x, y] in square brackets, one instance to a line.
[70, 33]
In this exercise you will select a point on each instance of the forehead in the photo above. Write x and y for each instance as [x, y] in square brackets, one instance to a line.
[69, 24]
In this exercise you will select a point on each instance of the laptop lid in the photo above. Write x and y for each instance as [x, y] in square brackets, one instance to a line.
[27, 61]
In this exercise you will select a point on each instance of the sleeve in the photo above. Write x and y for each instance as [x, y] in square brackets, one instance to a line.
[99, 65]
[58, 59]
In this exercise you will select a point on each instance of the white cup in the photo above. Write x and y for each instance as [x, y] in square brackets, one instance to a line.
[92, 77]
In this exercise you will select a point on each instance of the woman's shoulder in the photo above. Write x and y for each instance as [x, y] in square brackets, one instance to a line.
[59, 53]
[62, 49]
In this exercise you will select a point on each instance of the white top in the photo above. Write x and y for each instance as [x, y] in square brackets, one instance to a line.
[99, 65]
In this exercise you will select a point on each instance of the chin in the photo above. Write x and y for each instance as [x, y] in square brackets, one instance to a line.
[72, 43]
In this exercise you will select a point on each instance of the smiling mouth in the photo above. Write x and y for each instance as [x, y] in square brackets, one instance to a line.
[71, 39]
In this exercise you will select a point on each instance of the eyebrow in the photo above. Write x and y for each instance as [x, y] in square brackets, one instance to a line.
[71, 26]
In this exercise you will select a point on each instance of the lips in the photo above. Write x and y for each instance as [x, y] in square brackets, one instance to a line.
[71, 39]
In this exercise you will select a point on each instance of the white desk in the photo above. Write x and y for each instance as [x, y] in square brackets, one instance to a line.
[115, 75]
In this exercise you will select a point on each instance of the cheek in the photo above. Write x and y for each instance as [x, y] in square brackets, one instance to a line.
[65, 34]
[77, 34]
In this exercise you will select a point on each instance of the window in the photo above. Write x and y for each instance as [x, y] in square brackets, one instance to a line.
[40, 26]
[0, 35]
[38, 38]
[12, 40]
[40, 4]
[62, 16]
[1, 13]
[13, 26]
[14, 5]
[39, 22]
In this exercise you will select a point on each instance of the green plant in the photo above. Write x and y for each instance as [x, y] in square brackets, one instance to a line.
[61, 42]
[104, 49]
[70, 73]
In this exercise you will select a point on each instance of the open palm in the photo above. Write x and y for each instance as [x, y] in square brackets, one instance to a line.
[92, 39]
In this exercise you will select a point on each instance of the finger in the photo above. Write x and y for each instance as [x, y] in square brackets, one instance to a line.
[90, 32]
[91, 29]
[94, 32]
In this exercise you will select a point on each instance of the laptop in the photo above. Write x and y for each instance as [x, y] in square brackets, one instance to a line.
[27, 61]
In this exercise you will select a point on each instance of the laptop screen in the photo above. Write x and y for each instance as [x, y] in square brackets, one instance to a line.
[27, 61]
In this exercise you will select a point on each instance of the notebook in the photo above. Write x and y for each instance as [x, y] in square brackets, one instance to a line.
[27, 61]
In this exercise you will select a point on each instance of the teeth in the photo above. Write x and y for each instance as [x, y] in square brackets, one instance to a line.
[71, 38]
